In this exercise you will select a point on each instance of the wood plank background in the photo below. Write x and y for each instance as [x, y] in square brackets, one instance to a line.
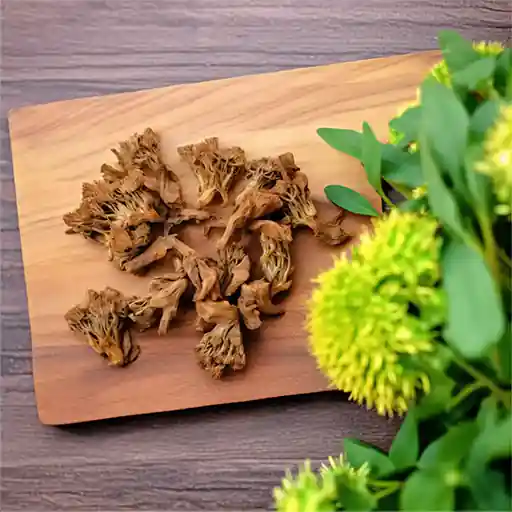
[226, 458]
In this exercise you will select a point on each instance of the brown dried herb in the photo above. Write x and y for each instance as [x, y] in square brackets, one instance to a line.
[264, 173]
[202, 272]
[234, 268]
[124, 244]
[165, 292]
[298, 207]
[89, 220]
[141, 314]
[213, 312]
[216, 168]
[275, 260]
[332, 232]
[139, 163]
[222, 348]
[133, 208]
[162, 301]
[155, 252]
[255, 299]
[176, 217]
[103, 318]
[250, 205]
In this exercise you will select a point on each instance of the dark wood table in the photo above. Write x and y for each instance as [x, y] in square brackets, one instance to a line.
[226, 458]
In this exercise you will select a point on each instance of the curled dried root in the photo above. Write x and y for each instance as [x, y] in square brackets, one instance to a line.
[221, 348]
[103, 319]
[216, 168]
[255, 299]
[275, 260]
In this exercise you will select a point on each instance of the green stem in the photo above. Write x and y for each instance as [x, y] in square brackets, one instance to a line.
[501, 394]
[388, 490]
[490, 253]
[387, 200]
[384, 483]
[504, 257]
[456, 400]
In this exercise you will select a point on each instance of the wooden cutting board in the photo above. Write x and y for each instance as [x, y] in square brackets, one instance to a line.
[57, 146]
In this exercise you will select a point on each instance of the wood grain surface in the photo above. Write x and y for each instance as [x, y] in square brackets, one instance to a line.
[226, 458]
[57, 147]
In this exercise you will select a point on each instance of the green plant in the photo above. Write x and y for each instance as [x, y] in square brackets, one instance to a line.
[418, 319]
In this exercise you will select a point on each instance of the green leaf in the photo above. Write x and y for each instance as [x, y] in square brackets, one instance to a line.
[424, 490]
[346, 141]
[445, 124]
[372, 158]
[489, 490]
[439, 397]
[483, 118]
[450, 449]
[475, 314]
[357, 453]
[405, 447]
[503, 72]
[440, 199]
[414, 205]
[457, 51]
[494, 441]
[407, 173]
[408, 123]
[472, 76]
[350, 200]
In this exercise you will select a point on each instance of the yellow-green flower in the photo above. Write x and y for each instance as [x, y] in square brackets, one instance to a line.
[497, 160]
[419, 192]
[319, 492]
[369, 317]
[487, 49]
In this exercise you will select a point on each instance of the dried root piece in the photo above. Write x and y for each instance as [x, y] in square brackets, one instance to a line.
[89, 220]
[180, 216]
[234, 268]
[155, 252]
[165, 292]
[141, 313]
[250, 205]
[124, 244]
[120, 221]
[298, 207]
[213, 312]
[216, 168]
[103, 318]
[275, 260]
[332, 232]
[221, 348]
[266, 172]
[139, 163]
[255, 299]
[162, 301]
[133, 208]
[201, 271]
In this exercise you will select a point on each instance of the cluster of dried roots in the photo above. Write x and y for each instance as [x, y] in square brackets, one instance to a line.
[133, 210]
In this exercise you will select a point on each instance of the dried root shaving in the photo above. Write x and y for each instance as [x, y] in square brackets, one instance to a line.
[275, 260]
[250, 205]
[103, 319]
[215, 168]
[234, 268]
[222, 348]
[254, 300]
